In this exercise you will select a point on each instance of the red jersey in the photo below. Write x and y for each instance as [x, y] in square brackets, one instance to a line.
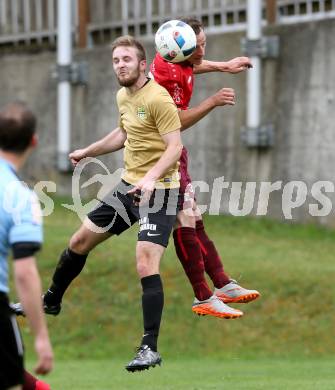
[177, 79]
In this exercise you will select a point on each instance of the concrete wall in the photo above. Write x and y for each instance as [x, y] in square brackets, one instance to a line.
[298, 99]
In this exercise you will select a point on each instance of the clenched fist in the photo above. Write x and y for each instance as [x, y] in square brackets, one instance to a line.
[76, 156]
[224, 96]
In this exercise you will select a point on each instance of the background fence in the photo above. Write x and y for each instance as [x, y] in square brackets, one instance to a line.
[26, 22]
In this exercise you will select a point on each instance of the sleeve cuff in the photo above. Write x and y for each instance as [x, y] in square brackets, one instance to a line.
[22, 250]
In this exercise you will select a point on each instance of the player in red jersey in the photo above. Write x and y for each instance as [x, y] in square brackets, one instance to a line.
[196, 252]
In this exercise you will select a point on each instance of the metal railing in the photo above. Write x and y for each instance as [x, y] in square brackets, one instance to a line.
[27, 21]
[305, 10]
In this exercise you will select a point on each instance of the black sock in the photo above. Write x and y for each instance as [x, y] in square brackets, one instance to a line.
[69, 267]
[152, 305]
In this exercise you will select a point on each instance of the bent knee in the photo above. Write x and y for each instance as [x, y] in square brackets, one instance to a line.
[79, 244]
[185, 220]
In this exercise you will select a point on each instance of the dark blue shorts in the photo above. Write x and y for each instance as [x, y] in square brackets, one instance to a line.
[117, 212]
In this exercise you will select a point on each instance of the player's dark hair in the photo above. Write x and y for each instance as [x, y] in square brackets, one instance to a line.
[17, 127]
[129, 41]
[194, 23]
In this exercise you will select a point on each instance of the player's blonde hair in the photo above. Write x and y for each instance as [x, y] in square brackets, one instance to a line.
[129, 41]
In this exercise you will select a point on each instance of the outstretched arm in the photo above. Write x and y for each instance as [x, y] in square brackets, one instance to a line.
[110, 143]
[236, 65]
[225, 96]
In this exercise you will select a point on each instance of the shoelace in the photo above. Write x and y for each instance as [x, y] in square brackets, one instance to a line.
[139, 351]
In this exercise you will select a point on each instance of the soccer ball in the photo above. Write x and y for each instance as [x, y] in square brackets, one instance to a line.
[175, 41]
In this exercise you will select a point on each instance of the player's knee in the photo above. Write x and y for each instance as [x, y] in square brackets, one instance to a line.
[143, 268]
[143, 263]
[146, 264]
[185, 220]
[78, 244]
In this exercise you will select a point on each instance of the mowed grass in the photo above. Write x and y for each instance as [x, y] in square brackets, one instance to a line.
[201, 374]
[286, 338]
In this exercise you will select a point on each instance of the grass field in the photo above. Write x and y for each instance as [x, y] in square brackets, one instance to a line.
[284, 341]
[200, 374]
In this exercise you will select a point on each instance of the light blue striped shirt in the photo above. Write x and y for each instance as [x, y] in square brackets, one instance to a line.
[20, 217]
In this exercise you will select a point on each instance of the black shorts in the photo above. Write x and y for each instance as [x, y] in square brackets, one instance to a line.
[117, 212]
[11, 349]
